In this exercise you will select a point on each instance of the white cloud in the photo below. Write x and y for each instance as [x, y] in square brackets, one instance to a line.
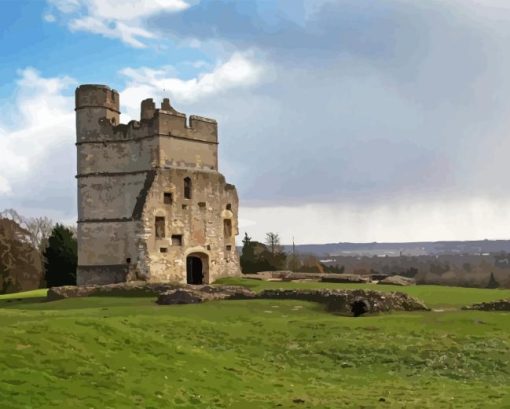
[238, 71]
[66, 6]
[129, 34]
[133, 9]
[109, 19]
[35, 151]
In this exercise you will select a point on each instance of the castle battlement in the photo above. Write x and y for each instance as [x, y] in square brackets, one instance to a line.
[101, 103]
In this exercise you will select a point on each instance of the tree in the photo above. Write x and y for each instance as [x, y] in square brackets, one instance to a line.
[293, 262]
[492, 282]
[38, 228]
[20, 262]
[275, 256]
[273, 243]
[61, 257]
[335, 269]
[247, 258]
[257, 256]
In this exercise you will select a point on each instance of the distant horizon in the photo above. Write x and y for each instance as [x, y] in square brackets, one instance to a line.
[395, 242]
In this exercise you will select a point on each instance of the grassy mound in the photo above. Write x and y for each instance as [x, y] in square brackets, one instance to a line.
[110, 352]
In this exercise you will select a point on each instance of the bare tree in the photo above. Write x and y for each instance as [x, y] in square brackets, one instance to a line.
[38, 228]
[20, 262]
[275, 254]
[13, 215]
[273, 243]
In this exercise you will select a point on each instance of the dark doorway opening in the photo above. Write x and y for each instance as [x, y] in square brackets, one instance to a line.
[194, 270]
[360, 307]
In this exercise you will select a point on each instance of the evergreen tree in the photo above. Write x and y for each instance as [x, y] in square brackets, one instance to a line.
[492, 282]
[247, 258]
[61, 257]
[257, 257]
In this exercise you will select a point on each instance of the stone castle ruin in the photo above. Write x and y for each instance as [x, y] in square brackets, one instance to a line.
[152, 204]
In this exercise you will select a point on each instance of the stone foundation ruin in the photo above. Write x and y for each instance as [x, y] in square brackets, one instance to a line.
[347, 302]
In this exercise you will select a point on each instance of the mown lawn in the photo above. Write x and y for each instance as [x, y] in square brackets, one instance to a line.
[108, 352]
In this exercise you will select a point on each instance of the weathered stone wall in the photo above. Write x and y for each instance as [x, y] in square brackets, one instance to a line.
[124, 170]
[188, 153]
[109, 196]
[115, 157]
[116, 239]
[199, 220]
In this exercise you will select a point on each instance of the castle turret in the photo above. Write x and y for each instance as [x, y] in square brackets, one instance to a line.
[94, 105]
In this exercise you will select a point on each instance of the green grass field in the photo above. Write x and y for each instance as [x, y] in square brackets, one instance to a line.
[110, 352]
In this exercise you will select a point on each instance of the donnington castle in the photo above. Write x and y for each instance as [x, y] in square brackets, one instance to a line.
[152, 204]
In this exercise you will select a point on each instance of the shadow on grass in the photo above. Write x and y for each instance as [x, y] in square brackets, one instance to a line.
[20, 302]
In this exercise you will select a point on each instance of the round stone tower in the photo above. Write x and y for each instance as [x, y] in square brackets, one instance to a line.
[94, 104]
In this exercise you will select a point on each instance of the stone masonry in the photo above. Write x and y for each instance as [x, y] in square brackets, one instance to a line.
[152, 204]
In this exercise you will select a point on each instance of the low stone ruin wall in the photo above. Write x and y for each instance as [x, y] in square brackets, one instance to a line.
[285, 275]
[351, 302]
[397, 280]
[356, 302]
[199, 294]
[135, 288]
[501, 305]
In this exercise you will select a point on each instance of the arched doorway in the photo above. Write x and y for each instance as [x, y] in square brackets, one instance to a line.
[196, 268]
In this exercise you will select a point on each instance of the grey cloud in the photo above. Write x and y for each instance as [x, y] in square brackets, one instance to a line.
[368, 100]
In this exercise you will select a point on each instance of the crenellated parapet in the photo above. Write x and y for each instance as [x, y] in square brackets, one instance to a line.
[173, 123]
[97, 108]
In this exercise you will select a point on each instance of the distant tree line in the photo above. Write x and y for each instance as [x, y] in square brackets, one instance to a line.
[270, 256]
[458, 270]
[35, 252]
[464, 270]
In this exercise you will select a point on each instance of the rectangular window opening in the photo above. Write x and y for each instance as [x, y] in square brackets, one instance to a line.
[160, 227]
[229, 206]
[227, 228]
[176, 239]
[229, 248]
[201, 205]
[168, 198]
[163, 250]
[187, 188]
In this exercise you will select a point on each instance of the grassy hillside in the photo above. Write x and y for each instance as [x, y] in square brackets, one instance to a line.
[109, 352]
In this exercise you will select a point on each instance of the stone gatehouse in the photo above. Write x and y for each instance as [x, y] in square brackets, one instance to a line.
[152, 204]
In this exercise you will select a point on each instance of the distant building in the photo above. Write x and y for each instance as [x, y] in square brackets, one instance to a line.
[152, 204]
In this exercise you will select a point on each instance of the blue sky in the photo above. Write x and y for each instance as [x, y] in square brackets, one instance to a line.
[340, 120]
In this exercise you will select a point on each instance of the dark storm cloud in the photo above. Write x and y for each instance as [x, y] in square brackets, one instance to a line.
[364, 99]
